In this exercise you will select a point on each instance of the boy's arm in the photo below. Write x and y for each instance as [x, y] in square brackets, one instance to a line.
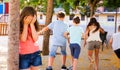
[66, 36]
[50, 26]
[43, 30]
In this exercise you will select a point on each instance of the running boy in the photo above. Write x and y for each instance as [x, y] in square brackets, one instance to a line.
[75, 33]
[58, 40]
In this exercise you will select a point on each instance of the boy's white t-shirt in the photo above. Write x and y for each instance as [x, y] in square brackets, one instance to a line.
[116, 41]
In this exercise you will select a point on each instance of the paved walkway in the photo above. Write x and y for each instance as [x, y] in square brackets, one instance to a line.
[107, 61]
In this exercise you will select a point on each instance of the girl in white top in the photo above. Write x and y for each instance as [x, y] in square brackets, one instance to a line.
[92, 37]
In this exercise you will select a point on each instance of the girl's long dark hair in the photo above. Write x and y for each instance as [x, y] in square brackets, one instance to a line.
[26, 12]
[94, 22]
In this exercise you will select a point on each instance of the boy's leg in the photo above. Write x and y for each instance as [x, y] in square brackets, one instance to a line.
[75, 64]
[63, 59]
[52, 54]
[50, 61]
[72, 59]
[63, 52]
[76, 55]
[72, 52]
[71, 67]
[72, 56]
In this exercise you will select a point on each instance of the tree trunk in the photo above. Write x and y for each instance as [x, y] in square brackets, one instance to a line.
[93, 4]
[13, 35]
[91, 10]
[47, 34]
[116, 21]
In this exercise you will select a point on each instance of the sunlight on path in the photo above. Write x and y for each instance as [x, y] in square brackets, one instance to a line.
[115, 61]
[107, 61]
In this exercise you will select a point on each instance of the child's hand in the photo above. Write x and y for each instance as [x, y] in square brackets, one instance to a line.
[40, 32]
[27, 19]
[33, 20]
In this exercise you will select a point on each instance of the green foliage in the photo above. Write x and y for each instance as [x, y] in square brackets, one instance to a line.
[113, 4]
[40, 5]
[43, 3]
[62, 1]
[71, 4]
[87, 13]
[58, 3]
[84, 8]
[66, 6]
[76, 3]
[93, 1]
[6, 0]
[24, 3]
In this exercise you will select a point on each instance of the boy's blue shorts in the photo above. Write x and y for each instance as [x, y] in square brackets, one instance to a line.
[54, 48]
[75, 50]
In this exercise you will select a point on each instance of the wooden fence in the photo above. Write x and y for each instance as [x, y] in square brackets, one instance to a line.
[4, 29]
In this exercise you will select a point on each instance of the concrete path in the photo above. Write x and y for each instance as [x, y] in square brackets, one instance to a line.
[107, 61]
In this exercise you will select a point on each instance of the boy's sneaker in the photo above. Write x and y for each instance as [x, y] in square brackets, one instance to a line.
[70, 68]
[64, 67]
[49, 68]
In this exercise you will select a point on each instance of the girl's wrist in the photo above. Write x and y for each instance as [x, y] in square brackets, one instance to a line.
[26, 25]
[31, 24]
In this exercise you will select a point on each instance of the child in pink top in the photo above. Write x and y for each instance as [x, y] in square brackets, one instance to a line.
[30, 58]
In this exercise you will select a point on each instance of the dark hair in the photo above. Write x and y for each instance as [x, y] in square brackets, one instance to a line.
[27, 11]
[76, 19]
[60, 15]
[94, 22]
